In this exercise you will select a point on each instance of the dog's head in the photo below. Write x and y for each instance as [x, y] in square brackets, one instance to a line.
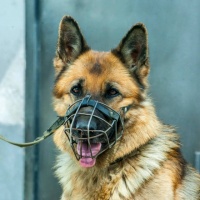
[117, 79]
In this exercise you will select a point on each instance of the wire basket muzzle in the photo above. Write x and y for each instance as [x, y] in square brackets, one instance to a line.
[109, 135]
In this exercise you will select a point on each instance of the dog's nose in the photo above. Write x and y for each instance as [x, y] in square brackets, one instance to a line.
[83, 124]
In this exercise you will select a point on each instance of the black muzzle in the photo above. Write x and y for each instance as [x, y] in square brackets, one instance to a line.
[114, 125]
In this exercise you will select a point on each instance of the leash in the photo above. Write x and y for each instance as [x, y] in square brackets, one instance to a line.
[59, 122]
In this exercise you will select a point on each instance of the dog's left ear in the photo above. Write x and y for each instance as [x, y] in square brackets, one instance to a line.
[133, 52]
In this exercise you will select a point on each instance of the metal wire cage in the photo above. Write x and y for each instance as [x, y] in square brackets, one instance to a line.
[111, 134]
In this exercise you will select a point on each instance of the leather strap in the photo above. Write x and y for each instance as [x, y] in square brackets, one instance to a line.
[106, 110]
[131, 154]
[59, 122]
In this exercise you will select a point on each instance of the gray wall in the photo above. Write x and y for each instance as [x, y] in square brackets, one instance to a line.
[12, 70]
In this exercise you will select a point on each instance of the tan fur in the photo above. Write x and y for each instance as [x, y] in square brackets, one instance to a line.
[153, 167]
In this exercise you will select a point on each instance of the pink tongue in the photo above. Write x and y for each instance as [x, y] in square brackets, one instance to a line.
[88, 162]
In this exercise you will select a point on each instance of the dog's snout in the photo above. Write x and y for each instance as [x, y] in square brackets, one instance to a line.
[90, 123]
[83, 124]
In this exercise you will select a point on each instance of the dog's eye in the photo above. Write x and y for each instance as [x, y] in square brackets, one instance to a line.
[112, 93]
[76, 90]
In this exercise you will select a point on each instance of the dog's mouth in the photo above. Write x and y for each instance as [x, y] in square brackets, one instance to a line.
[84, 149]
[89, 152]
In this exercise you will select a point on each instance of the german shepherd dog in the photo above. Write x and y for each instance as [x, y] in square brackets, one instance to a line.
[145, 162]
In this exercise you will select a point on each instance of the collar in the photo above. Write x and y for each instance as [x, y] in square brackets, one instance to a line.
[131, 154]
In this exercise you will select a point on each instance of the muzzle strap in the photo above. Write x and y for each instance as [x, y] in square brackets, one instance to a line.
[100, 106]
[89, 102]
[59, 122]
[125, 109]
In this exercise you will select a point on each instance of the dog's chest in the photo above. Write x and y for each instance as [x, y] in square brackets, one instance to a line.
[102, 185]
[129, 182]
[79, 185]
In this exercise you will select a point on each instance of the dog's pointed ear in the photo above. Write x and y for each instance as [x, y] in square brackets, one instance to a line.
[71, 43]
[133, 52]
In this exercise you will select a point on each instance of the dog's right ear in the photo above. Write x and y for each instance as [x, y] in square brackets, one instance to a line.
[71, 43]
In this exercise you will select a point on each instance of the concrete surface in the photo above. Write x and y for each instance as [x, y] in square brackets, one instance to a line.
[12, 70]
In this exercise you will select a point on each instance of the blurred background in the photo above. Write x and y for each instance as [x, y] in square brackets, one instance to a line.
[28, 36]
